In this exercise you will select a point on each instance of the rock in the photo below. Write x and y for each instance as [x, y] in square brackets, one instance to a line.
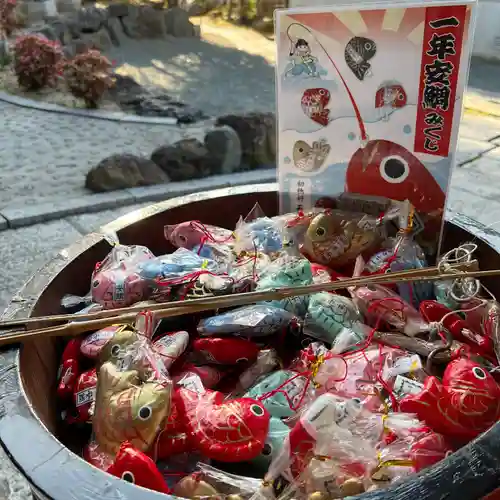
[47, 31]
[150, 23]
[65, 6]
[257, 133]
[133, 98]
[186, 159]
[33, 11]
[121, 171]
[118, 10]
[77, 46]
[99, 40]
[224, 145]
[114, 28]
[90, 19]
[177, 23]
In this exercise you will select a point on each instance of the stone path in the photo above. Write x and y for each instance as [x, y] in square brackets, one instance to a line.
[45, 156]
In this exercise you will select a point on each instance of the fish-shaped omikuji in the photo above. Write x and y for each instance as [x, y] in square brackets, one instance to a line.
[257, 320]
[460, 329]
[69, 371]
[428, 450]
[462, 406]
[171, 346]
[314, 103]
[383, 168]
[224, 351]
[230, 431]
[93, 344]
[357, 53]
[128, 409]
[310, 158]
[84, 396]
[188, 234]
[335, 238]
[135, 467]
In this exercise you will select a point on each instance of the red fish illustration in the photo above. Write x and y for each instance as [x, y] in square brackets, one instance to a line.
[229, 431]
[135, 467]
[393, 95]
[383, 168]
[314, 102]
[463, 406]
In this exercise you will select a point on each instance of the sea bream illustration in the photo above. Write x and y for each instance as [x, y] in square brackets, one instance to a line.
[389, 97]
[310, 158]
[358, 52]
[314, 102]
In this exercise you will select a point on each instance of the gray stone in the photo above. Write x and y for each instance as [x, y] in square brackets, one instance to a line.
[33, 11]
[114, 28]
[62, 31]
[177, 23]
[118, 10]
[257, 135]
[150, 22]
[90, 19]
[124, 171]
[47, 31]
[184, 160]
[224, 145]
[67, 6]
[99, 40]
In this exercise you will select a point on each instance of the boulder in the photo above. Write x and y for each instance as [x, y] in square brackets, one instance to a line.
[186, 159]
[257, 134]
[144, 22]
[90, 19]
[68, 6]
[121, 171]
[118, 10]
[177, 23]
[99, 40]
[224, 145]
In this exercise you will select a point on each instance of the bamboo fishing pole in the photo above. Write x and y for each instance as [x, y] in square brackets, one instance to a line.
[75, 325]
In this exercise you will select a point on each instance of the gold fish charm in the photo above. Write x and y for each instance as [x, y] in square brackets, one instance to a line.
[335, 238]
[128, 409]
[119, 345]
[310, 158]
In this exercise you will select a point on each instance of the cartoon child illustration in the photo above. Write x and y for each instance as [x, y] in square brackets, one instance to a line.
[302, 61]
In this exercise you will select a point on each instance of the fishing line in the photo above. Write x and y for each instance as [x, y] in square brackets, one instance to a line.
[364, 136]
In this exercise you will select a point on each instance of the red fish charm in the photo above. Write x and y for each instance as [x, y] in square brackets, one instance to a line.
[463, 406]
[135, 467]
[458, 327]
[230, 431]
[84, 396]
[93, 344]
[392, 95]
[94, 455]
[69, 370]
[209, 375]
[225, 350]
[429, 450]
[314, 102]
[383, 168]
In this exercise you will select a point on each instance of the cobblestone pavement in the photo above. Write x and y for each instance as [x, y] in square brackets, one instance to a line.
[45, 156]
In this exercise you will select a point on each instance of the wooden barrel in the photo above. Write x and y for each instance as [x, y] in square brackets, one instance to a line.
[28, 424]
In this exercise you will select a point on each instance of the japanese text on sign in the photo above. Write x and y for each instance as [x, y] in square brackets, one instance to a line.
[442, 49]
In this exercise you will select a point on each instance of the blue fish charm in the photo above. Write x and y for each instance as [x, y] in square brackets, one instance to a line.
[257, 320]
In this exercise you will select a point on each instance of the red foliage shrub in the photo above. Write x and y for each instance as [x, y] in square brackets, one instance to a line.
[88, 76]
[36, 61]
[7, 17]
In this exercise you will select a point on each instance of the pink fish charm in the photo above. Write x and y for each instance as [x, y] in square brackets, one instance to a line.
[191, 233]
[314, 102]
[462, 406]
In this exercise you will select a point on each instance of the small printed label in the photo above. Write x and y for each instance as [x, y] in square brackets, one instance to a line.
[85, 396]
[192, 382]
[406, 364]
[404, 385]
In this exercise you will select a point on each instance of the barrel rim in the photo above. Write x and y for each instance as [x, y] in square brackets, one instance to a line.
[55, 471]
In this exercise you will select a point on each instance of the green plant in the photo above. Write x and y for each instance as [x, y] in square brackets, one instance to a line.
[36, 61]
[88, 76]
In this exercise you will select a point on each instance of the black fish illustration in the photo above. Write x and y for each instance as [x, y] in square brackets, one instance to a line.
[357, 53]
